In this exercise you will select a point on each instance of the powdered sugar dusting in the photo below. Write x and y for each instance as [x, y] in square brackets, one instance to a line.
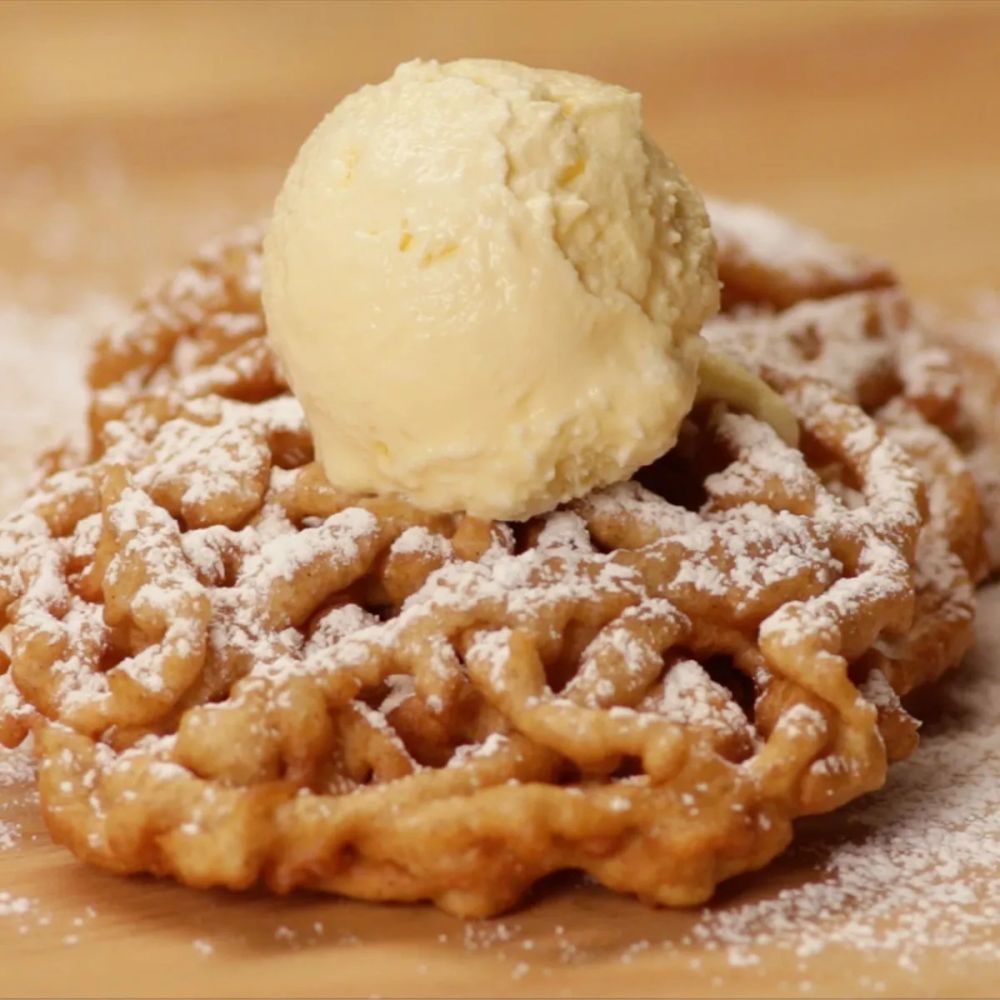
[16, 766]
[42, 396]
[829, 338]
[784, 245]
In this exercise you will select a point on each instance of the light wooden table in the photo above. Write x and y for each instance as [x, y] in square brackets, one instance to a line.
[130, 132]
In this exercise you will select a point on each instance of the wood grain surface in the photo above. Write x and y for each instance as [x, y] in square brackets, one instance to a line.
[129, 132]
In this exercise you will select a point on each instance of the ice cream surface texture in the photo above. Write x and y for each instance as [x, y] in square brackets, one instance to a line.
[485, 285]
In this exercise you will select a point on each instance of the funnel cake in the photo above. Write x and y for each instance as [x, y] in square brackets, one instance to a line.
[236, 673]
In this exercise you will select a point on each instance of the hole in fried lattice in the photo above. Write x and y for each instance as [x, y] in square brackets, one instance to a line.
[679, 475]
[428, 740]
[562, 668]
[833, 472]
[110, 658]
[628, 767]
[526, 534]
[722, 670]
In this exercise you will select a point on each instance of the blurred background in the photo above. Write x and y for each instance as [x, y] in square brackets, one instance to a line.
[130, 131]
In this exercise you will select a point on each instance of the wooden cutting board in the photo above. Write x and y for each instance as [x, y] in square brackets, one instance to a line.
[129, 133]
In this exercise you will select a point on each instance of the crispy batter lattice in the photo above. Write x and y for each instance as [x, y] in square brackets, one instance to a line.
[235, 672]
[796, 303]
[976, 427]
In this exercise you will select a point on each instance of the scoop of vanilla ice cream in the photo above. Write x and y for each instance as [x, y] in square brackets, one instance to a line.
[485, 284]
